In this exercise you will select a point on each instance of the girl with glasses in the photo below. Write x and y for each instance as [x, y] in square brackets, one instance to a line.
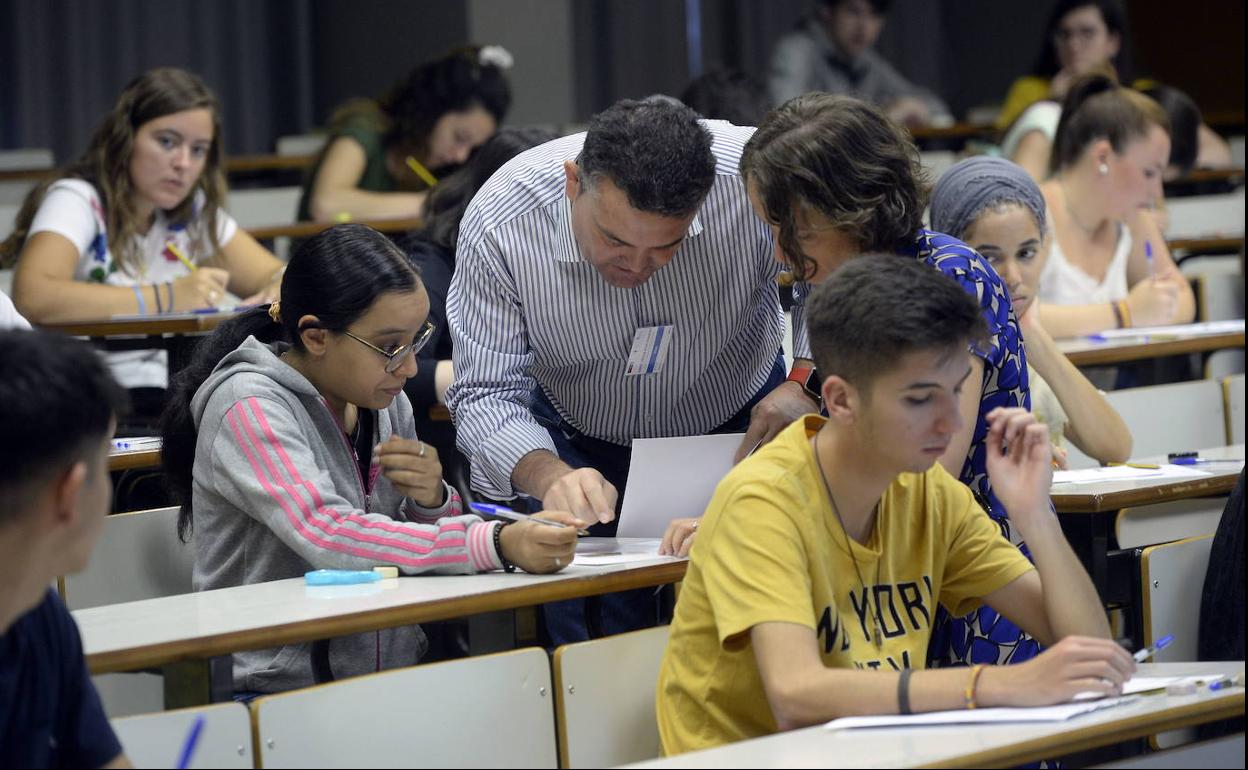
[291, 445]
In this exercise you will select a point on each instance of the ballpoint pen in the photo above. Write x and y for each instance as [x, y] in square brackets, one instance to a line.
[1147, 652]
[503, 512]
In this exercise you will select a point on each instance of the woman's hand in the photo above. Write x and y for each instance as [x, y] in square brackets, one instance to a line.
[203, 288]
[678, 538]
[412, 466]
[1155, 301]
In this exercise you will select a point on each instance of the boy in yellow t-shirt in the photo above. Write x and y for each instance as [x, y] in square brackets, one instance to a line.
[818, 566]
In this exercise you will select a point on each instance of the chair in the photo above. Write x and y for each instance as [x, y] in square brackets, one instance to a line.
[609, 681]
[1172, 418]
[138, 556]
[27, 158]
[264, 206]
[1233, 400]
[1143, 525]
[937, 162]
[487, 711]
[1223, 363]
[155, 740]
[1202, 216]
[1172, 576]
[300, 144]
[8, 215]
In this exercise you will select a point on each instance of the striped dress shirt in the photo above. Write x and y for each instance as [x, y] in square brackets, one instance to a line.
[527, 311]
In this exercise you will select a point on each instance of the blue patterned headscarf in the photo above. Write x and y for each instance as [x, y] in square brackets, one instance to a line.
[976, 184]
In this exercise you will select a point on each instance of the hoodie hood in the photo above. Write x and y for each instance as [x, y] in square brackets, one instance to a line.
[253, 357]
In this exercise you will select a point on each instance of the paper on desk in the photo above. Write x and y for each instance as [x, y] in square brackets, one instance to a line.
[1139, 684]
[1186, 330]
[1126, 473]
[606, 551]
[672, 478]
[1056, 713]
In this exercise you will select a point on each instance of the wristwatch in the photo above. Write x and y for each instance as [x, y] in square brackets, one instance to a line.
[808, 378]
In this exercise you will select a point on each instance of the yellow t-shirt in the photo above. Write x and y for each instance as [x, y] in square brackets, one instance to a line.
[770, 549]
[1024, 92]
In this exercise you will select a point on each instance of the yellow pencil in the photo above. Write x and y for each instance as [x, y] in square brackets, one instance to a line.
[173, 248]
[1146, 466]
[421, 171]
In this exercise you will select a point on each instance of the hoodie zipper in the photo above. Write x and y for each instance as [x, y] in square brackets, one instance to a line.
[355, 457]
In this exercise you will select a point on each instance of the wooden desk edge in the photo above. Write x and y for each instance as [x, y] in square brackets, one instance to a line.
[370, 620]
[146, 458]
[1096, 735]
[1105, 502]
[1121, 353]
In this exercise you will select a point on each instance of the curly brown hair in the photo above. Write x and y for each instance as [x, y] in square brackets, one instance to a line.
[106, 165]
[844, 159]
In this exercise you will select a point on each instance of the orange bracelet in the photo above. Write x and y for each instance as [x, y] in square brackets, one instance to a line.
[976, 670]
[1125, 310]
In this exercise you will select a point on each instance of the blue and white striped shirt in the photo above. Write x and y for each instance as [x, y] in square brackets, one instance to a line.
[527, 311]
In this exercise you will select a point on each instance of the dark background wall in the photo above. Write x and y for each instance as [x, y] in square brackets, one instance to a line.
[280, 66]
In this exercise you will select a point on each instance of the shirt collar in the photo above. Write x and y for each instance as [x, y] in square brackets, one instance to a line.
[569, 251]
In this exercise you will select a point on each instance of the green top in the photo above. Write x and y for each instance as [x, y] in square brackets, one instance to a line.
[364, 122]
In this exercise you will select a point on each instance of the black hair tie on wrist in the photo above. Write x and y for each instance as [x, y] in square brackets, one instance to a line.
[903, 692]
[498, 546]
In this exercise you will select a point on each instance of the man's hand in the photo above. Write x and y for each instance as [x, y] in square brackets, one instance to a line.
[775, 412]
[584, 493]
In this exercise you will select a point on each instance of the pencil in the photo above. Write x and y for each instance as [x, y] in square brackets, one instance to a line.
[173, 249]
[421, 171]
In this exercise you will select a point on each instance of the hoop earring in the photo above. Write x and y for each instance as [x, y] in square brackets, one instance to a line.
[1103, 169]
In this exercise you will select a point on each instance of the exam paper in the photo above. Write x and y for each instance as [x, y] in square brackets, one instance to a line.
[671, 478]
[1126, 473]
[1056, 713]
[1186, 330]
[605, 551]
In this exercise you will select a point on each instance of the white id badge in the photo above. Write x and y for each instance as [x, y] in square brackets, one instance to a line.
[649, 352]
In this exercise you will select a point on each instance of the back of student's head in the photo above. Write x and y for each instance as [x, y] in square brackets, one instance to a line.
[655, 151]
[1096, 108]
[844, 159]
[1185, 122]
[58, 403]
[335, 276]
[472, 76]
[729, 95]
[106, 164]
[444, 208]
[878, 308]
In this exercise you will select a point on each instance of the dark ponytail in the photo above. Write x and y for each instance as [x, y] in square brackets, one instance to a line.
[336, 276]
[1095, 108]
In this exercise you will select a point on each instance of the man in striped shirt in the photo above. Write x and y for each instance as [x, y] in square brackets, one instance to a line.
[610, 286]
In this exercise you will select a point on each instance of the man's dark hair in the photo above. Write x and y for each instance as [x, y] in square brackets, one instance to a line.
[655, 151]
[57, 402]
[878, 308]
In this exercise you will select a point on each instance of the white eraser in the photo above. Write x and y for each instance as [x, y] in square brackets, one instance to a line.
[387, 571]
[1181, 688]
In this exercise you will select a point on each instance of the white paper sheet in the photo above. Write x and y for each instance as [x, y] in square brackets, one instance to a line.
[671, 478]
[605, 551]
[1057, 713]
[1185, 330]
[1139, 684]
[1126, 473]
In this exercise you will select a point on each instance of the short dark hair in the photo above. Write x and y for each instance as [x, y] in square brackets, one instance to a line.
[655, 151]
[57, 403]
[877, 308]
[729, 95]
[844, 159]
[1112, 13]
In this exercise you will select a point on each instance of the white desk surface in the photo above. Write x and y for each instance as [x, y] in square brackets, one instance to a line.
[1000, 745]
[1111, 493]
[153, 632]
[1124, 346]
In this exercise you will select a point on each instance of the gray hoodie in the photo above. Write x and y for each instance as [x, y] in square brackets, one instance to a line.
[277, 492]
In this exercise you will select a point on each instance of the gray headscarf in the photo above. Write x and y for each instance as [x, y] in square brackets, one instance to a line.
[970, 187]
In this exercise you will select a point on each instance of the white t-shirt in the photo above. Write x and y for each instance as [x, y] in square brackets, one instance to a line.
[72, 208]
[9, 317]
[1062, 283]
[1042, 116]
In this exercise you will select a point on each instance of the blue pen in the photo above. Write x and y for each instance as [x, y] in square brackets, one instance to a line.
[1148, 255]
[188, 746]
[1199, 461]
[1097, 337]
[1147, 652]
[502, 512]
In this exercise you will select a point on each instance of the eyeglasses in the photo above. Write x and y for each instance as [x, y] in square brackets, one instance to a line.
[398, 357]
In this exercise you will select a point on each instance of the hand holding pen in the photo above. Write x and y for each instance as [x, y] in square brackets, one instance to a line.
[536, 549]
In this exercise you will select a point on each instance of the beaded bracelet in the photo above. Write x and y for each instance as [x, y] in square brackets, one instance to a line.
[498, 547]
[903, 692]
[138, 294]
[160, 306]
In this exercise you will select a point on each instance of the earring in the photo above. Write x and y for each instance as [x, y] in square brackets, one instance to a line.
[1103, 169]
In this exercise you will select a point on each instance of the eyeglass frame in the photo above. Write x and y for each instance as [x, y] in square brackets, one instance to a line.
[396, 359]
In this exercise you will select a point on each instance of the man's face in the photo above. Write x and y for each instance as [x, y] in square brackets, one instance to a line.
[625, 246]
[95, 496]
[853, 25]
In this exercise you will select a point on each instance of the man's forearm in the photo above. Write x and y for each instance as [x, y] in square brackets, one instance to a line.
[1070, 600]
[536, 471]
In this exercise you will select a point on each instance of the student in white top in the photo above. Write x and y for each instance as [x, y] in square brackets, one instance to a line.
[9, 317]
[996, 208]
[116, 231]
[1109, 266]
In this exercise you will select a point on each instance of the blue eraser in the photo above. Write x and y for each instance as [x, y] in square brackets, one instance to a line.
[340, 577]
